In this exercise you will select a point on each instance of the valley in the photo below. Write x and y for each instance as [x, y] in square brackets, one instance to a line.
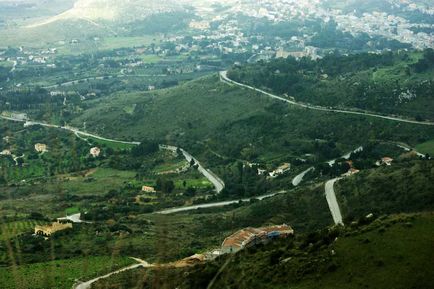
[217, 144]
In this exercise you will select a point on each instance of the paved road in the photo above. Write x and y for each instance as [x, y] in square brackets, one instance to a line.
[68, 128]
[333, 202]
[76, 218]
[408, 149]
[88, 284]
[215, 180]
[217, 204]
[85, 80]
[299, 178]
[224, 77]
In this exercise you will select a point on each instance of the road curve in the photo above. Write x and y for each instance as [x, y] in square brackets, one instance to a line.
[333, 202]
[299, 178]
[224, 78]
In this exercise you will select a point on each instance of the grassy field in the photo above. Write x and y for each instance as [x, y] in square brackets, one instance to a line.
[60, 274]
[426, 147]
[101, 181]
[12, 229]
[193, 183]
[110, 43]
[399, 258]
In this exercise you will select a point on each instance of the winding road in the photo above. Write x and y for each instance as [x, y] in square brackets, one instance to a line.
[215, 180]
[224, 78]
[333, 202]
[299, 178]
[216, 204]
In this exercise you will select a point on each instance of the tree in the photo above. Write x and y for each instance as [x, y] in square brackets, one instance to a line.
[146, 147]
[165, 186]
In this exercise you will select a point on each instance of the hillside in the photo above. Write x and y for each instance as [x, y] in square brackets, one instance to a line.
[403, 187]
[389, 252]
[398, 83]
[236, 123]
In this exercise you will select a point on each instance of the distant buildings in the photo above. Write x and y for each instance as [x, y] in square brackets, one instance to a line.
[385, 161]
[41, 148]
[48, 230]
[5, 153]
[200, 25]
[280, 170]
[147, 189]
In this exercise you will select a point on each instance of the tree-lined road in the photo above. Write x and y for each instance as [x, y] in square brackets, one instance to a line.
[224, 78]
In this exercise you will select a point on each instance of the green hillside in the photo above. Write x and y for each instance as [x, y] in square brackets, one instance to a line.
[389, 252]
[403, 187]
[233, 121]
[398, 83]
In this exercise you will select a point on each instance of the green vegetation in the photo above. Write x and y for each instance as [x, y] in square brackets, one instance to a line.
[426, 147]
[61, 274]
[13, 229]
[402, 187]
[389, 83]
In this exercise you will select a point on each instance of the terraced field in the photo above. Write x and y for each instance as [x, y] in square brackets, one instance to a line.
[60, 274]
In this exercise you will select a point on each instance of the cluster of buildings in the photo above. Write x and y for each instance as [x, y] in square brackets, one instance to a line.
[249, 237]
[228, 36]
[389, 26]
[31, 56]
[244, 238]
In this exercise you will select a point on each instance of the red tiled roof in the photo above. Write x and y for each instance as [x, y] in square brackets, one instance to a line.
[241, 238]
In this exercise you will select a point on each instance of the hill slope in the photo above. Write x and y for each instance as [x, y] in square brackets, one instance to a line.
[393, 252]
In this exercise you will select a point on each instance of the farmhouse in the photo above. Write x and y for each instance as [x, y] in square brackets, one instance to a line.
[5, 153]
[385, 161]
[95, 152]
[280, 170]
[41, 148]
[147, 189]
[49, 230]
[251, 236]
